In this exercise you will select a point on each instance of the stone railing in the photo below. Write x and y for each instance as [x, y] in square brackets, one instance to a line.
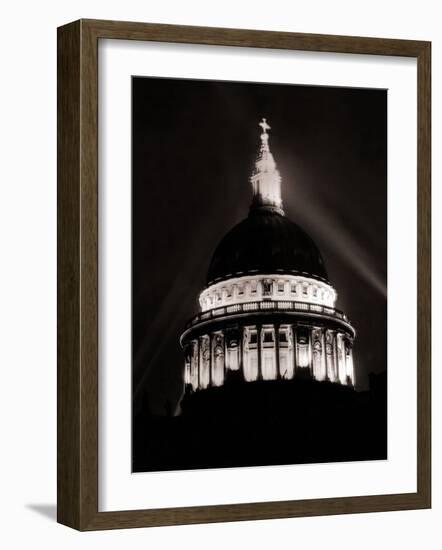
[274, 306]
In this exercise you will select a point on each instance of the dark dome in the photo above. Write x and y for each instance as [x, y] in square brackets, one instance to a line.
[266, 242]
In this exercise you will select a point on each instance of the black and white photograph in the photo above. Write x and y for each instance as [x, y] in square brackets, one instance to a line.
[259, 274]
[218, 266]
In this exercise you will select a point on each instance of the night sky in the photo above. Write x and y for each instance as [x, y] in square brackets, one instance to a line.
[194, 146]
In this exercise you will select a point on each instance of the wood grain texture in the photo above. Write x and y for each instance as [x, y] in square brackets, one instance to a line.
[424, 275]
[252, 38]
[77, 459]
[68, 276]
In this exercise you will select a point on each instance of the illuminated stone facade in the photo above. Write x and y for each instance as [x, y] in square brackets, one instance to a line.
[268, 310]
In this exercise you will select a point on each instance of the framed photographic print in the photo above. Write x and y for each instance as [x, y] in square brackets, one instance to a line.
[244, 275]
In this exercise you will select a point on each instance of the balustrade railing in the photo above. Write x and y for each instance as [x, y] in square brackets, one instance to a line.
[267, 306]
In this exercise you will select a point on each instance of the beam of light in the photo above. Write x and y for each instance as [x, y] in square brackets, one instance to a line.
[169, 318]
[338, 237]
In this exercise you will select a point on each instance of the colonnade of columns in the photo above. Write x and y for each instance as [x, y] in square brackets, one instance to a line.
[268, 352]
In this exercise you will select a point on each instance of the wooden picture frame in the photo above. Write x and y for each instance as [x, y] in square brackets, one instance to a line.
[78, 274]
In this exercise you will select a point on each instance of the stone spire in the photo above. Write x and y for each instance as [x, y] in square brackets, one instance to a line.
[265, 179]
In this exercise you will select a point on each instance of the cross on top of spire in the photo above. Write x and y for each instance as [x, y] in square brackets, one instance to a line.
[265, 179]
[264, 126]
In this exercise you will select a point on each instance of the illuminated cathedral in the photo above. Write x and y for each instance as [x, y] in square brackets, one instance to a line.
[268, 309]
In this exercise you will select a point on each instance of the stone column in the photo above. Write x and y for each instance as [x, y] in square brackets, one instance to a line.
[332, 358]
[323, 357]
[352, 367]
[241, 350]
[295, 350]
[225, 354]
[344, 353]
[186, 370]
[341, 357]
[259, 346]
[335, 355]
[210, 358]
[278, 365]
[310, 354]
[324, 351]
[199, 361]
[347, 358]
